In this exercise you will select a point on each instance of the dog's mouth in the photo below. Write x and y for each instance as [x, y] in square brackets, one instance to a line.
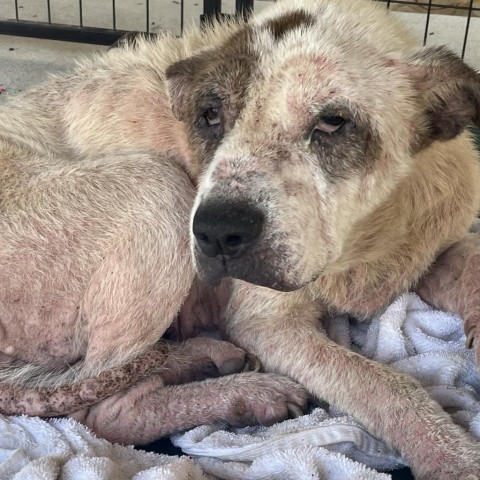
[247, 268]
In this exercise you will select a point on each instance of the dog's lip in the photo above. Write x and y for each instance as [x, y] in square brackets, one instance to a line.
[214, 279]
[262, 273]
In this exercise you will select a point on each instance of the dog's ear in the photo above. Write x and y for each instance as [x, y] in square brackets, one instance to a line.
[450, 93]
[180, 76]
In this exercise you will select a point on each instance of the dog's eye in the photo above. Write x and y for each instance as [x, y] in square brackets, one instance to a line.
[212, 117]
[330, 124]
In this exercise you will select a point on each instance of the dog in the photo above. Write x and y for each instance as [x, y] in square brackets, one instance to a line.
[314, 154]
[336, 172]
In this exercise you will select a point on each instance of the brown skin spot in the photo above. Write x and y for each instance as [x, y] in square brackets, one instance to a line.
[240, 408]
[280, 26]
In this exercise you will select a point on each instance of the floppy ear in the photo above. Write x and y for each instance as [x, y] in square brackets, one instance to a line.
[179, 77]
[450, 91]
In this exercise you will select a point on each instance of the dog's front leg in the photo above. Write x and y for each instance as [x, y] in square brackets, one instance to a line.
[282, 330]
[453, 284]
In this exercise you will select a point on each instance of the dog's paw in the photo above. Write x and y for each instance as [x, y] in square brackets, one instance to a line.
[201, 358]
[252, 398]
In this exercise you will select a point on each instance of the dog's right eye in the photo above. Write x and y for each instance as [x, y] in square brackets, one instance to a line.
[330, 124]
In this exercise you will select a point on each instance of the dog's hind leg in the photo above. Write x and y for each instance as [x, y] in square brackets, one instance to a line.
[16, 400]
[453, 283]
[95, 266]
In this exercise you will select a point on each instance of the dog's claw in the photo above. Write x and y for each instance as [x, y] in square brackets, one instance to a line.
[294, 410]
[252, 364]
[470, 338]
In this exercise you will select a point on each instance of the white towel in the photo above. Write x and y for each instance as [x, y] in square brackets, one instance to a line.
[325, 444]
[412, 338]
[35, 449]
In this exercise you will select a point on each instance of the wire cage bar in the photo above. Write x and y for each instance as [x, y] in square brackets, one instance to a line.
[78, 28]
[467, 8]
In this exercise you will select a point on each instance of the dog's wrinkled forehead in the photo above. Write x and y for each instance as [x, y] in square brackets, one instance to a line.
[304, 56]
[309, 56]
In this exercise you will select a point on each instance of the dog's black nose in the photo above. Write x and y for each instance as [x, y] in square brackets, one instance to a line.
[226, 228]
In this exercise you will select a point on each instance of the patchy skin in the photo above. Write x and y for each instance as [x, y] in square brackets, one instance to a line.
[452, 284]
[240, 400]
[16, 400]
[352, 216]
[98, 183]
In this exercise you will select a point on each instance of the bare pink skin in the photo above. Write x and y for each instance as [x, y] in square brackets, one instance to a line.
[202, 310]
[452, 284]
[46, 402]
[174, 399]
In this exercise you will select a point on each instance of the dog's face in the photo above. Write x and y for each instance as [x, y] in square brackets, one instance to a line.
[304, 121]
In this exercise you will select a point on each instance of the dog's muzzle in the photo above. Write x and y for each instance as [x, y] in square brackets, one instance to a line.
[232, 240]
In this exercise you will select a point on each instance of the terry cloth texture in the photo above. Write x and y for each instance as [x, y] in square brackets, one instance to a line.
[326, 444]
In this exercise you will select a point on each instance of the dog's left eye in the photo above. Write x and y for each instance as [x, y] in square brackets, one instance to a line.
[330, 124]
[212, 117]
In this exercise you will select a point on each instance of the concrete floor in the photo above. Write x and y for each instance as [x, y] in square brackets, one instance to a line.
[25, 62]
[129, 14]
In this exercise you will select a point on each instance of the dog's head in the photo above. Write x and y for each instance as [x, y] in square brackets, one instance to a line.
[304, 121]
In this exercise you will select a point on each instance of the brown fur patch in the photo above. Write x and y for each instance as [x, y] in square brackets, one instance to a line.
[219, 79]
[280, 26]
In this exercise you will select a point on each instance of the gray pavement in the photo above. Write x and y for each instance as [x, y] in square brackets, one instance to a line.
[26, 61]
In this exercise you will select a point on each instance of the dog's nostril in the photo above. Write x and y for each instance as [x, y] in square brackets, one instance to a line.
[233, 240]
[203, 238]
[209, 247]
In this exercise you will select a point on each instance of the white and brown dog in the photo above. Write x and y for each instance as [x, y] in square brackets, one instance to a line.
[327, 155]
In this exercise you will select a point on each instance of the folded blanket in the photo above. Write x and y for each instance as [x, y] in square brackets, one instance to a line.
[326, 444]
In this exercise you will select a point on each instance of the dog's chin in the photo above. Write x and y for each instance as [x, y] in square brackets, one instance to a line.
[212, 270]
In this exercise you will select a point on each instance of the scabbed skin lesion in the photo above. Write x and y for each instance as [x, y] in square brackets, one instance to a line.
[45, 402]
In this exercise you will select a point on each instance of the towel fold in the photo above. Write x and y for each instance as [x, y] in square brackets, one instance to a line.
[326, 444]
